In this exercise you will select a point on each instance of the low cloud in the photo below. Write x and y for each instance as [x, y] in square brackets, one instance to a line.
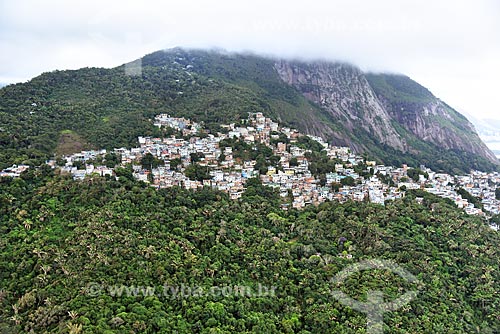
[449, 46]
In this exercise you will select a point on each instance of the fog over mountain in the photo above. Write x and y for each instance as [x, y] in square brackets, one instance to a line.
[449, 46]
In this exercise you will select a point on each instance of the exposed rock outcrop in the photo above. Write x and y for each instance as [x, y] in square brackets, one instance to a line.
[343, 91]
[393, 110]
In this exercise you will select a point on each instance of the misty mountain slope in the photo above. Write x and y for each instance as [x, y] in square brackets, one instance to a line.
[352, 111]
[343, 91]
[389, 112]
[425, 116]
[105, 108]
[252, 74]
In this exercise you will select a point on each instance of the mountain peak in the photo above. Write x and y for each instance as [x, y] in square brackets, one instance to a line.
[389, 117]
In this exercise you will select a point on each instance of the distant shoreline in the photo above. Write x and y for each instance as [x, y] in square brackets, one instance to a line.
[494, 146]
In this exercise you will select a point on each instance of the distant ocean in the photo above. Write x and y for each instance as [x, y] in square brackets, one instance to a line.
[495, 147]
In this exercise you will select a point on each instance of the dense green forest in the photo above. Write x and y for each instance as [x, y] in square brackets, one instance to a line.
[67, 111]
[61, 238]
[63, 112]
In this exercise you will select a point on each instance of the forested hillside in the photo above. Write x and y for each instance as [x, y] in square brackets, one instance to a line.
[63, 112]
[66, 111]
[114, 255]
[65, 244]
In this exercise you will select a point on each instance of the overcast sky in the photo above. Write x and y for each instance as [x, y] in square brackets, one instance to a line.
[450, 46]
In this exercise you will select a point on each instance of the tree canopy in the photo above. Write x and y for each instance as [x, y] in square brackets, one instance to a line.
[66, 246]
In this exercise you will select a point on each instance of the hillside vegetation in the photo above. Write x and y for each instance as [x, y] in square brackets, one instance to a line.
[64, 111]
[65, 245]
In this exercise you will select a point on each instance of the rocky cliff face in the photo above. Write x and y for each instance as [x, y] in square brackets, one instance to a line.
[343, 91]
[435, 123]
[427, 117]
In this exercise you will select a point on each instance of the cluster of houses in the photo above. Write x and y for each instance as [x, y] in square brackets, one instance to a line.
[14, 171]
[291, 175]
[481, 185]
[180, 124]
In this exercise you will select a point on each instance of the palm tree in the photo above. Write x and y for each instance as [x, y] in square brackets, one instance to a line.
[39, 252]
[72, 314]
[45, 269]
[74, 328]
[27, 224]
